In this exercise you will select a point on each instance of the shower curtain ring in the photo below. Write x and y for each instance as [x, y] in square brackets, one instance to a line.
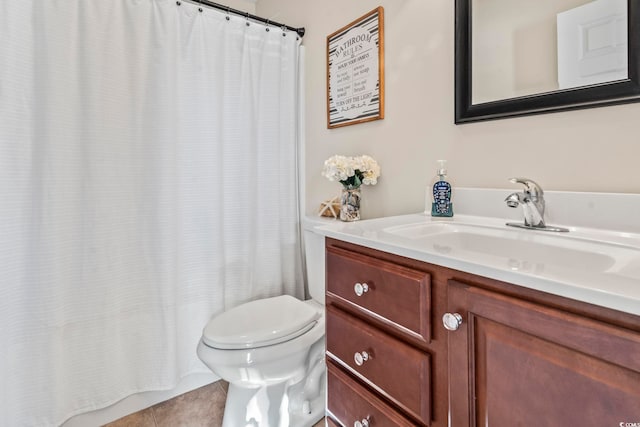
[248, 19]
[200, 8]
[228, 18]
[284, 30]
[267, 25]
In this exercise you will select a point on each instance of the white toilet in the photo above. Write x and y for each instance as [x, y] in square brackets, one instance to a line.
[271, 351]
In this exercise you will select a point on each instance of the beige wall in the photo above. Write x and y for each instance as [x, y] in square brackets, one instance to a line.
[585, 150]
[243, 5]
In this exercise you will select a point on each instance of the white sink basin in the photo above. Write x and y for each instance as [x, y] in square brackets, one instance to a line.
[532, 251]
[594, 265]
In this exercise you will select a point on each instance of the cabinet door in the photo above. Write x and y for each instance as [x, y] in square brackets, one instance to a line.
[516, 363]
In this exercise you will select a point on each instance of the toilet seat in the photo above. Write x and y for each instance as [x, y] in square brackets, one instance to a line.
[260, 323]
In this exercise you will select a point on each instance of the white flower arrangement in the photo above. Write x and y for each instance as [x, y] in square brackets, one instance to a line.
[352, 172]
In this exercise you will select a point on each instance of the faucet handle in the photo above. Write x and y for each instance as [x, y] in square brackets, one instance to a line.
[530, 185]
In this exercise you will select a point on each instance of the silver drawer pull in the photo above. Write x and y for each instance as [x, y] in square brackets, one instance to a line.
[363, 423]
[360, 357]
[451, 321]
[360, 288]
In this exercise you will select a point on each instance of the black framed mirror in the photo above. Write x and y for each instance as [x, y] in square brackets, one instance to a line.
[528, 95]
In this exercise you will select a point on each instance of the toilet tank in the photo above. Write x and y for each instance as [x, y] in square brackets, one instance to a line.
[314, 256]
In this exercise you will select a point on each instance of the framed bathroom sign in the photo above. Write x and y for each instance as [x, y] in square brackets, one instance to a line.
[355, 71]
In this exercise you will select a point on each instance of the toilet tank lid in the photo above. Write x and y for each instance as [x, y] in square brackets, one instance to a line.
[258, 323]
[309, 222]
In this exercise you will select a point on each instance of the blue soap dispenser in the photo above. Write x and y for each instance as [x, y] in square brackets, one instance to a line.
[441, 205]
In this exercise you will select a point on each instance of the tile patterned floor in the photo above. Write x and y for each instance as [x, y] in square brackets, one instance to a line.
[202, 407]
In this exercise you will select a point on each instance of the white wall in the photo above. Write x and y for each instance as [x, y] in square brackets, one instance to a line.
[586, 150]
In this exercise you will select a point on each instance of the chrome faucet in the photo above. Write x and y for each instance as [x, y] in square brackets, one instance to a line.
[532, 202]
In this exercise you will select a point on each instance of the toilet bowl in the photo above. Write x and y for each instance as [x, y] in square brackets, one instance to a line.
[271, 351]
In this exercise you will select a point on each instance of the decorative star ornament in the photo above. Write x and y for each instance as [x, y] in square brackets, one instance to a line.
[330, 208]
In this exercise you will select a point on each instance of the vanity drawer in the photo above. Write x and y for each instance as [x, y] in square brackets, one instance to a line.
[355, 403]
[393, 368]
[396, 295]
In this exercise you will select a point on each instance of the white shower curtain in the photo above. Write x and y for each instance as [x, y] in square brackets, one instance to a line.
[147, 181]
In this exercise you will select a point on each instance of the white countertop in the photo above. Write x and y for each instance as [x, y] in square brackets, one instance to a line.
[587, 264]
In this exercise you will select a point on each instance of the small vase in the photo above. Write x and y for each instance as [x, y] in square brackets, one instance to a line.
[350, 204]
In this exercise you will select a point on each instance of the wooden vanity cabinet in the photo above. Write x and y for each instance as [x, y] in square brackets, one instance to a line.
[520, 357]
[513, 362]
[331, 423]
[381, 339]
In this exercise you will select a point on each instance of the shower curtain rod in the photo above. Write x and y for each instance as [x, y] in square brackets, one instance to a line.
[299, 31]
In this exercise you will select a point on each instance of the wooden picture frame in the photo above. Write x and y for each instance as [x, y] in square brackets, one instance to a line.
[355, 71]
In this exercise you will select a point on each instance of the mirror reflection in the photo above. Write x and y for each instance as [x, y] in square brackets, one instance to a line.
[527, 47]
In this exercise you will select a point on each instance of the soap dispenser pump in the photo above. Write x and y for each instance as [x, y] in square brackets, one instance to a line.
[441, 205]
